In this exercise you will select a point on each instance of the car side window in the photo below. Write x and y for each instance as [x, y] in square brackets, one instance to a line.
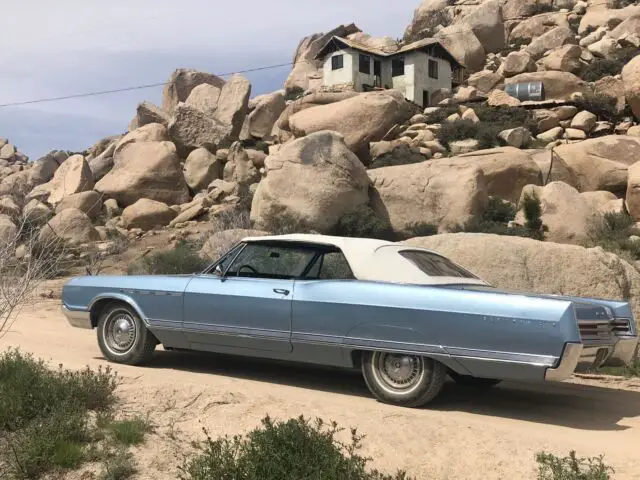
[335, 267]
[268, 261]
[330, 266]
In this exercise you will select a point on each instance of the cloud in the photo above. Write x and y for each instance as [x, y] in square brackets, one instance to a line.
[90, 46]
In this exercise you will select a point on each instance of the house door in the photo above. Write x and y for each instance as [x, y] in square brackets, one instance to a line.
[377, 73]
[425, 98]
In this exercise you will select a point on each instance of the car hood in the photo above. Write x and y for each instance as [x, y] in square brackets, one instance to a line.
[586, 308]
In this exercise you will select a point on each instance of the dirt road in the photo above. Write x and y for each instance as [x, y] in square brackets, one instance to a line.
[466, 434]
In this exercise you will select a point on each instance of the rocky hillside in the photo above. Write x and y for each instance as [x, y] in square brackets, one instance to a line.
[342, 162]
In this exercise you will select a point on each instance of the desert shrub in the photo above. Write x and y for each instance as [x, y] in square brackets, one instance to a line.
[129, 431]
[296, 448]
[442, 113]
[551, 467]
[422, 229]
[611, 231]
[118, 465]
[604, 106]
[532, 209]
[232, 219]
[541, 7]
[493, 120]
[183, 258]
[255, 144]
[363, 222]
[610, 66]
[44, 414]
[293, 93]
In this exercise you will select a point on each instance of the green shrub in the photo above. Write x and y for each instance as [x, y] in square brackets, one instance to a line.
[183, 258]
[118, 466]
[129, 432]
[296, 449]
[421, 229]
[631, 370]
[442, 113]
[610, 66]
[532, 209]
[599, 104]
[44, 419]
[493, 120]
[551, 467]
[364, 223]
[611, 231]
[293, 93]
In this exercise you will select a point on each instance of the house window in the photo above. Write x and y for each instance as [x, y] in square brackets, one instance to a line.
[337, 62]
[397, 67]
[433, 69]
[365, 64]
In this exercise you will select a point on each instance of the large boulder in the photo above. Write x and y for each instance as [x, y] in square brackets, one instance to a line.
[146, 113]
[309, 101]
[151, 132]
[330, 181]
[103, 163]
[518, 9]
[146, 170]
[36, 213]
[70, 226]
[606, 17]
[201, 168]
[631, 79]
[43, 169]
[180, 85]
[536, 26]
[191, 128]
[305, 63]
[205, 98]
[526, 265]
[568, 215]
[633, 191]
[264, 115]
[88, 202]
[425, 17]
[362, 119]
[516, 63]
[612, 87]
[506, 170]
[601, 163]
[240, 167]
[463, 44]
[73, 176]
[446, 193]
[557, 85]
[554, 38]
[18, 184]
[233, 103]
[147, 214]
[485, 80]
[487, 24]
[8, 231]
[564, 59]
[553, 168]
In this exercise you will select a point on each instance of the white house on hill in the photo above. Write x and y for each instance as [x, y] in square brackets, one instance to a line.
[418, 69]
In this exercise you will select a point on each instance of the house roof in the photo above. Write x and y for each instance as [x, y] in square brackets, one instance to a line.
[386, 52]
[374, 260]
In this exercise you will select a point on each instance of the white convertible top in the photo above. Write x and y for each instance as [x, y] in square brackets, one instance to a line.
[374, 260]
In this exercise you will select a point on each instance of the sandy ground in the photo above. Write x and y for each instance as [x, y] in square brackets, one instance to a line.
[465, 434]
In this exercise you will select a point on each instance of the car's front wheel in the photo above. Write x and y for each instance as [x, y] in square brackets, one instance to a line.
[402, 379]
[123, 337]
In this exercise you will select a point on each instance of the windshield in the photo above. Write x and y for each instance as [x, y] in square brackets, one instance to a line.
[434, 265]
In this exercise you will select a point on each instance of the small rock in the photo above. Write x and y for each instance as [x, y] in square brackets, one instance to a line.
[584, 121]
[551, 134]
[565, 112]
[498, 98]
[518, 137]
[470, 114]
[468, 145]
[603, 128]
[574, 134]
[418, 119]
[453, 118]
[634, 131]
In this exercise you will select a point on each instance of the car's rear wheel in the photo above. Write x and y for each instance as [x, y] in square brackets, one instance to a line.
[469, 381]
[123, 337]
[403, 379]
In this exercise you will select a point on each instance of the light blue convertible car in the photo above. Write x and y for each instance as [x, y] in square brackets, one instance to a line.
[406, 316]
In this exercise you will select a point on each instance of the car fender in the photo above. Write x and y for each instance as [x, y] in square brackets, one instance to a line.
[121, 298]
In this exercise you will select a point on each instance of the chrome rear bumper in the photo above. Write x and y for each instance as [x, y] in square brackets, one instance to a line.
[578, 357]
[78, 318]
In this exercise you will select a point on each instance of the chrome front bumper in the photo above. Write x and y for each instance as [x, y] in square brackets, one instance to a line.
[78, 318]
[580, 357]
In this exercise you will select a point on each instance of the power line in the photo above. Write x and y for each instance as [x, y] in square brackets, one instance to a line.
[137, 87]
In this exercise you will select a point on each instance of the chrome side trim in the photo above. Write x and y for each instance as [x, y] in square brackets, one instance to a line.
[78, 318]
[568, 363]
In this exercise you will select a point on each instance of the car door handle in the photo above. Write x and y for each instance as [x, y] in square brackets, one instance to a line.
[281, 291]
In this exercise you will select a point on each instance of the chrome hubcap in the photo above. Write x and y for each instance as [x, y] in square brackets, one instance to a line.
[399, 371]
[120, 332]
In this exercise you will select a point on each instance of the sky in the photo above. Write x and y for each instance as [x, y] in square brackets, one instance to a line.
[66, 47]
